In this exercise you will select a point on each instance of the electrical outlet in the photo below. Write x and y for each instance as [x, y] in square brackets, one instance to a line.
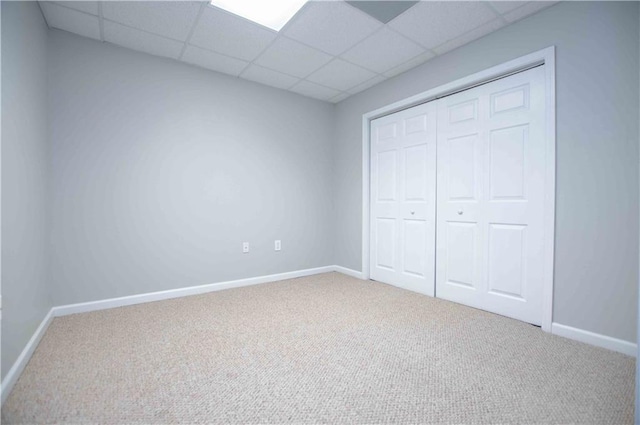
[278, 246]
[245, 247]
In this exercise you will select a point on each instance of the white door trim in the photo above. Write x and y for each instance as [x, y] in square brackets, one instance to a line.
[545, 56]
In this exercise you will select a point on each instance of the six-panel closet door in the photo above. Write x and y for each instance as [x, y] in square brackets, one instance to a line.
[491, 174]
[403, 173]
[474, 234]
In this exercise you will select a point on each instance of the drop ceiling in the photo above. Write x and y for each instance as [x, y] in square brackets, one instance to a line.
[330, 50]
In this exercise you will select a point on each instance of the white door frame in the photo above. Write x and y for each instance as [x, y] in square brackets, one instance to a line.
[545, 56]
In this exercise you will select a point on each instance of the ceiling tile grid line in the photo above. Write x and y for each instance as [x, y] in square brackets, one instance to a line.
[329, 50]
[90, 7]
[397, 65]
[208, 5]
[305, 78]
[339, 98]
[383, 50]
[321, 85]
[433, 23]
[525, 10]
[140, 30]
[100, 21]
[407, 38]
[283, 35]
[307, 88]
[503, 7]
[291, 57]
[333, 57]
[71, 20]
[366, 84]
[295, 17]
[340, 75]
[49, 27]
[205, 4]
[269, 77]
[226, 33]
[170, 19]
[278, 35]
[141, 41]
[279, 38]
[411, 63]
[245, 70]
[213, 61]
[218, 54]
[188, 45]
[193, 28]
[331, 26]
[501, 17]
[469, 36]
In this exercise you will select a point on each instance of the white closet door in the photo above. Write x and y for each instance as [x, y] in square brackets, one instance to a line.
[491, 171]
[403, 184]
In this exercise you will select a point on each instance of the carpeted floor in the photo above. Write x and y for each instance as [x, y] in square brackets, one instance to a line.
[321, 349]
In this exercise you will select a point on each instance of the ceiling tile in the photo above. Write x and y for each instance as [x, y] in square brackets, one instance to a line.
[412, 63]
[339, 98]
[141, 41]
[292, 57]
[269, 77]
[433, 23]
[71, 20]
[506, 6]
[309, 89]
[83, 6]
[367, 84]
[340, 75]
[231, 35]
[528, 9]
[170, 19]
[482, 30]
[383, 51]
[214, 61]
[331, 26]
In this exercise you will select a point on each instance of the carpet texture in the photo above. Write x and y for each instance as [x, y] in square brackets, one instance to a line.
[320, 349]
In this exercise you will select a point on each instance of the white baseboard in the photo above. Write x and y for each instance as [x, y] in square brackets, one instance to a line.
[24, 357]
[348, 272]
[599, 340]
[65, 310]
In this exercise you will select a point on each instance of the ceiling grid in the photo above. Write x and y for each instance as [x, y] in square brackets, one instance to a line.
[329, 50]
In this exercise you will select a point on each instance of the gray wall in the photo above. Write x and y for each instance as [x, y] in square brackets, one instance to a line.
[596, 260]
[637, 411]
[161, 170]
[25, 290]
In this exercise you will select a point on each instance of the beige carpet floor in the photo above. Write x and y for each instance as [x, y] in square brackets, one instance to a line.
[320, 349]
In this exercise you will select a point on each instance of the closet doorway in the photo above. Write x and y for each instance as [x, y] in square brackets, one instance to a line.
[459, 202]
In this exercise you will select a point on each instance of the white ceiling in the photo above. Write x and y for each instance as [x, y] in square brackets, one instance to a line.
[328, 51]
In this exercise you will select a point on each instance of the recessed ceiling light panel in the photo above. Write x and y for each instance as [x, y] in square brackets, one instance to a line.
[272, 14]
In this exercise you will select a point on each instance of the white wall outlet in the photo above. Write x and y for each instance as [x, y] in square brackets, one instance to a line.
[278, 246]
[245, 247]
